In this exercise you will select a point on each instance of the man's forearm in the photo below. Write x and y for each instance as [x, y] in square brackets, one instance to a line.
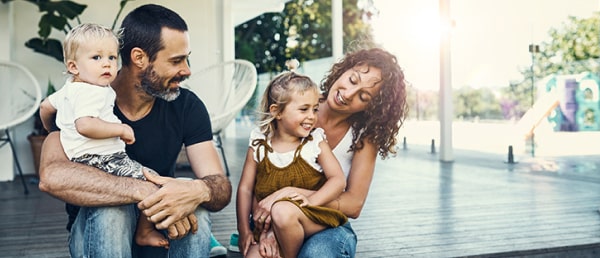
[84, 185]
[220, 192]
[80, 185]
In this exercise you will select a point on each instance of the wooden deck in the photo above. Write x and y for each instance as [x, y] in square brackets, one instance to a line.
[477, 206]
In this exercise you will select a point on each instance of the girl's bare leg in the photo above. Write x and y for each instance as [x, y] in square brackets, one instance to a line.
[291, 227]
[253, 252]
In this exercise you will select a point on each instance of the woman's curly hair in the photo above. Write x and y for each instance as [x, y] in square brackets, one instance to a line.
[385, 113]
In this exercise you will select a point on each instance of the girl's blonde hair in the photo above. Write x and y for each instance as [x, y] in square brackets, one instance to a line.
[279, 92]
[83, 34]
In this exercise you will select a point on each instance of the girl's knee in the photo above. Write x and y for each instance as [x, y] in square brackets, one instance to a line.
[284, 212]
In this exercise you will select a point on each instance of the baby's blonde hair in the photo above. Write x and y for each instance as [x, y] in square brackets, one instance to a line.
[84, 33]
[280, 91]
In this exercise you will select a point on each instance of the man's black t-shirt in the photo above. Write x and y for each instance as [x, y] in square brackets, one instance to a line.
[160, 134]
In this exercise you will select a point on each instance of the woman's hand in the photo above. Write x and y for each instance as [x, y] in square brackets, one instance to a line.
[303, 200]
[262, 222]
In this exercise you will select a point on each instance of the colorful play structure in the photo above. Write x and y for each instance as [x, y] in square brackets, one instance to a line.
[570, 103]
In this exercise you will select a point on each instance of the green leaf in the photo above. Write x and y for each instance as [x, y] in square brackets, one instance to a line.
[121, 6]
[123, 3]
[49, 21]
[50, 47]
[67, 9]
[70, 9]
[50, 89]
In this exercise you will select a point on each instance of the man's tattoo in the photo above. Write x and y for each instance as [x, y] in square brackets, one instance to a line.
[220, 192]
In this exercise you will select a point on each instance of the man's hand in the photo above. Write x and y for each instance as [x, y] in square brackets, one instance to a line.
[175, 200]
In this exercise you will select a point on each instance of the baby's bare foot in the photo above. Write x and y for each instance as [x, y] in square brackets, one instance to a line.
[150, 237]
[153, 238]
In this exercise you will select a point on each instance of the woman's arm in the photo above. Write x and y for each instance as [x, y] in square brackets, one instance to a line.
[84, 185]
[358, 182]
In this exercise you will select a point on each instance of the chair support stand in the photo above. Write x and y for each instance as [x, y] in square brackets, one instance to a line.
[219, 144]
[14, 153]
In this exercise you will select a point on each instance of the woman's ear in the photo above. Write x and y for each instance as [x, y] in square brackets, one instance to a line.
[138, 57]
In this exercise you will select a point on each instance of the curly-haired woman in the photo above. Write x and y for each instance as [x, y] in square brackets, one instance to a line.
[362, 109]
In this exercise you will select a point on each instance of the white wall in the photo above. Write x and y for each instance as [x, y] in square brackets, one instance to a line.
[206, 33]
[6, 164]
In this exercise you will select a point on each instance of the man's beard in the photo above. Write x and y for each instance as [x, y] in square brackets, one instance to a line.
[152, 83]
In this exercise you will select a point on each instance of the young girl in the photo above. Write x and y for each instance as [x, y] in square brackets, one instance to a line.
[287, 150]
[90, 132]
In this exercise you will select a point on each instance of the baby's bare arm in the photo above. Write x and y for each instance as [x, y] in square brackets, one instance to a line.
[96, 128]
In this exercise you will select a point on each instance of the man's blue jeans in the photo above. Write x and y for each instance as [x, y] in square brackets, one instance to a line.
[109, 232]
[332, 242]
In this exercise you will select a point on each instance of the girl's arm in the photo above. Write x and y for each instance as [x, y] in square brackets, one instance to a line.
[96, 128]
[244, 199]
[336, 181]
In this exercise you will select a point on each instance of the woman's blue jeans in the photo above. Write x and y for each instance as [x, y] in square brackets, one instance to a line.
[332, 242]
[109, 232]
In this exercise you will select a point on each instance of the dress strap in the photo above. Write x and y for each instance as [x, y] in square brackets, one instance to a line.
[304, 141]
[266, 148]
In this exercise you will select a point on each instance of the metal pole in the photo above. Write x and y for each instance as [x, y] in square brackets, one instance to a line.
[446, 109]
[533, 48]
[337, 30]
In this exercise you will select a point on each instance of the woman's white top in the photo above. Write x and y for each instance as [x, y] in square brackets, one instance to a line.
[343, 154]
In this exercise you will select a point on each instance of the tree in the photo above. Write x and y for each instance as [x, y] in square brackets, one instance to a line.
[472, 103]
[573, 48]
[302, 31]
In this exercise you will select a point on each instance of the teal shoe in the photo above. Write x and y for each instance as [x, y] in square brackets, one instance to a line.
[233, 243]
[216, 249]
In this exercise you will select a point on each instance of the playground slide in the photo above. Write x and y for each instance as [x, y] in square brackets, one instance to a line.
[540, 110]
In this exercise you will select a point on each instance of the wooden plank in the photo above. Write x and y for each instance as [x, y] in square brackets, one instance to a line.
[477, 206]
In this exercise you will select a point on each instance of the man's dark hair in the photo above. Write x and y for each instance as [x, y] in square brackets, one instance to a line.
[142, 28]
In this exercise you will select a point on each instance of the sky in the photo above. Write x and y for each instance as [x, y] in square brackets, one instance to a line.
[490, 38]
